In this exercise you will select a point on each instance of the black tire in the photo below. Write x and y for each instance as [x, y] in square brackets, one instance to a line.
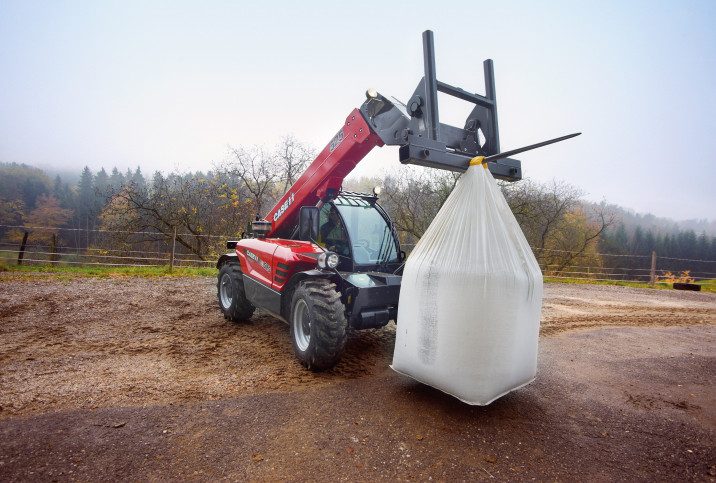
[687, 286]
[230, 290]
[317, 324]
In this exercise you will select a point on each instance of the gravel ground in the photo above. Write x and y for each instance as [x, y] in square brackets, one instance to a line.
[133, 378]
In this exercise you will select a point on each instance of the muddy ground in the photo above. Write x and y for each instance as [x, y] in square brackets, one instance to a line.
[143, 379]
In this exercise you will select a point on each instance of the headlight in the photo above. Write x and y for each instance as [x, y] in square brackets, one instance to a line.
[328, 260]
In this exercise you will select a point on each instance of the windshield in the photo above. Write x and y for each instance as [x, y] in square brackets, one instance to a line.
[370, 235]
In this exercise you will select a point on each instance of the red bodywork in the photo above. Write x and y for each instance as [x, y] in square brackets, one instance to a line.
[272, 262]
[352, 143]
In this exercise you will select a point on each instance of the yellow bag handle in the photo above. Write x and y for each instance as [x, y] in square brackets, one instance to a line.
[478, 160]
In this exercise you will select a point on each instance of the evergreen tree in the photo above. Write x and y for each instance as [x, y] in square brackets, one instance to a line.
[138, 179]
[101, 182]
[703, 249]
[649, 242]
[31, 190]
[157, 181]
[687, 244]
[620, 239]
[116, 179]
[85, 209]
[62, 192]
[637, 245]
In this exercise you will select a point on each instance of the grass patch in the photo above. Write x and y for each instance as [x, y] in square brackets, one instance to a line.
[706, 285]
[107, 272]
[586, 281]
[163, 271]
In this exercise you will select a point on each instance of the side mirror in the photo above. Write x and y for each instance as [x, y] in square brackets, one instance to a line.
[308, 223]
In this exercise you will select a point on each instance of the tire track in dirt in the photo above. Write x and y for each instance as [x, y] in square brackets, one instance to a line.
[571, 307]
[72, 342]
[632, 318]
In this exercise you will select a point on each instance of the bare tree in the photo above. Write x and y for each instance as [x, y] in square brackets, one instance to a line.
[293, 158]
[201, 209]
[555, 224]
[267, 176]
[414, 196]
[258, 171]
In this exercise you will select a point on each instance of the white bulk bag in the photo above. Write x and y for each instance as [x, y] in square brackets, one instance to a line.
[471, 296]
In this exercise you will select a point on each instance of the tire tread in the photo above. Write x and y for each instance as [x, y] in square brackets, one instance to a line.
[329, 327]
[240, 309]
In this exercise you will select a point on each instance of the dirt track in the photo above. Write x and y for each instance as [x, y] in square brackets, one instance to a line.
[143, 379]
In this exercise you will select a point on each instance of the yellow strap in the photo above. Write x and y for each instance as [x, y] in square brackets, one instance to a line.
[478, 160]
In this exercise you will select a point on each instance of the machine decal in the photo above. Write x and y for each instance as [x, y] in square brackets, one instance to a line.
[256, 258]
[336, 140]
[284, 207]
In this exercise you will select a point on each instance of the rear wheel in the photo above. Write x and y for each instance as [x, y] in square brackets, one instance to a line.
[317, 324]
[232, 299]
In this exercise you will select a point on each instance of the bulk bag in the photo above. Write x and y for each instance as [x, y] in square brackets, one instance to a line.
[471, 297]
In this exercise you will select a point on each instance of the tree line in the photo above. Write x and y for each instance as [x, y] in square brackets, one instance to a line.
[677, 251]
[129, 211]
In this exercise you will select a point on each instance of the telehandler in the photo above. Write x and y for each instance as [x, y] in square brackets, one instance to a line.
[328, 261]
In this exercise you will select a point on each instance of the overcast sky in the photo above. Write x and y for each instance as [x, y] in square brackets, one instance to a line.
[168, 85]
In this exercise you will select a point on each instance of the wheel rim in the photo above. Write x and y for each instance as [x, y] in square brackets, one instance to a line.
[225, 292]
[301, 325]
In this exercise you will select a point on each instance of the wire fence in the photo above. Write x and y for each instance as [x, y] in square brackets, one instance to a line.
[642, 268]
[634, 275]
[40, 254]
[165, 252]
[634, 268]
[134, 252]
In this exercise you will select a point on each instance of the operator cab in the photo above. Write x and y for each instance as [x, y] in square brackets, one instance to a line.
[357, 228]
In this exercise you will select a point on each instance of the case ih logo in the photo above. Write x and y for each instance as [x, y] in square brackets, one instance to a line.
[336, 140]
[256, 258]
[283, 208]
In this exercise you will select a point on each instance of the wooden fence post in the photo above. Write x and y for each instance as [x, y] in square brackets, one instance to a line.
[53, 249]
[652, 274]
[174, 242]
[22, 248]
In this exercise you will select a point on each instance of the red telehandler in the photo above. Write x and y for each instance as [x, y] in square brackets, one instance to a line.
[329, 261]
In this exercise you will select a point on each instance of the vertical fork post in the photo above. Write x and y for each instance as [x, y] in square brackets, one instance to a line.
[432, 122]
